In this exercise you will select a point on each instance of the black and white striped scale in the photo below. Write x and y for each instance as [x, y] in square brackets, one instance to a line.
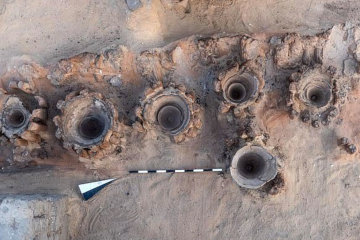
[179, 170]
[88, 190]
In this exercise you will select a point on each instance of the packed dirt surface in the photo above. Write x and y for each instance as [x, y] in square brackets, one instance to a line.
[49, 31]
[303, 110]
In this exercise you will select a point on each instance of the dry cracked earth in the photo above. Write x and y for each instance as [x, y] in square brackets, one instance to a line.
[277, 111]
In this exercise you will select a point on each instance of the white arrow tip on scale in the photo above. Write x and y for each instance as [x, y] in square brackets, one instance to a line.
[88, 190]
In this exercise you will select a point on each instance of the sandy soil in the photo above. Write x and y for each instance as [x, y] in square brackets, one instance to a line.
[316, 194]
[58, 29]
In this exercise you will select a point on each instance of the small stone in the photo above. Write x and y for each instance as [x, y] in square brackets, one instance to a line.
[40, 114]
[225, 108]
[197, 123]
[326, 121]
[133, 4]
[116, 81]
[305, 117]
[36, 127]
[192, 132]
[315, 124]
[217, 86]
[94, 149]
[108, 136]
[41, 101]
[181, 88]
[13, 85]
[275, 40]
[333, 113]
[118, 150]
[115, 140]
[351, 148]
[332, 70]
[179, 138]
[24, 86]
[105, 145]
[84, 154]
[344, 141]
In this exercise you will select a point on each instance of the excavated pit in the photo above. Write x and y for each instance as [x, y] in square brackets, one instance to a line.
[16, 118]
[252, 167]
[318, 94]
[85, 121]
[170, 117]
[93, 126]
[314, 94]
[172, 112]
[90, 123]
[87, 124]
[241, 88]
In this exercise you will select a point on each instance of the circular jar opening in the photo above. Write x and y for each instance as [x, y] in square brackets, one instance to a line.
[170, 113]
[236, 92]
[251, 165]
[170, 117]
[240, 89]
[16, 118]
[92, 127]
[319, 96]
